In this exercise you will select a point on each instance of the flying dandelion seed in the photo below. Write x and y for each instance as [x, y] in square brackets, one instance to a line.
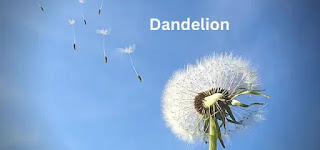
[199, 102]
[100, 9]
[104, 32]
[71, 22]
[83, 17]
[41, 7]
[130, 49]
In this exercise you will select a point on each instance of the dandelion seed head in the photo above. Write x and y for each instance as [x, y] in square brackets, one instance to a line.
[71, 21]
[103, 31]
[129, 49]
[182, 101]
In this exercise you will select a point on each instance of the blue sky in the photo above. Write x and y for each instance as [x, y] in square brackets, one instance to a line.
[53, 97]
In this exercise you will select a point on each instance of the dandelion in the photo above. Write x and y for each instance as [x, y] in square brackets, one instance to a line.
[200, 102]
[83, 17]
[100, 9]
[130, 49]
[42, 9]
[71, 22]
[104, 32]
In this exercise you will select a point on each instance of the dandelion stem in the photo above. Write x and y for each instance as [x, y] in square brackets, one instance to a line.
[100, 9]
[213, 134]
[133, 65]
[101, 4]
[103, 47]
[104, 51]
[74, 38]
[83, 17]
[74, 34]
[39, 5]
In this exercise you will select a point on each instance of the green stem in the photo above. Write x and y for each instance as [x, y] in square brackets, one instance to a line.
[213, 135]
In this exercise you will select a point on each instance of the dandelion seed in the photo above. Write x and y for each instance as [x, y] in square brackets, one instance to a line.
[83, 17]
[130, 49]
[104, 32]
[100, 9]
[199, 102]
[105, 58]
[71, 22]
[41, 7]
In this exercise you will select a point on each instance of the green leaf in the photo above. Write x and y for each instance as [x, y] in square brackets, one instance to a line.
[230, 114]
[235, 122]
[252, 92]
[219, 134]
[237, 103]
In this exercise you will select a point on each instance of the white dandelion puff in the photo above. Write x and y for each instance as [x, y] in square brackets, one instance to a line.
[104, 32]
[100, 9]
[71, 22]
[199, 102]
[130, 49]
[82, 11]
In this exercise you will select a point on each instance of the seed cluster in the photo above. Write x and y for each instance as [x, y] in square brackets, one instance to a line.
[198, 101]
